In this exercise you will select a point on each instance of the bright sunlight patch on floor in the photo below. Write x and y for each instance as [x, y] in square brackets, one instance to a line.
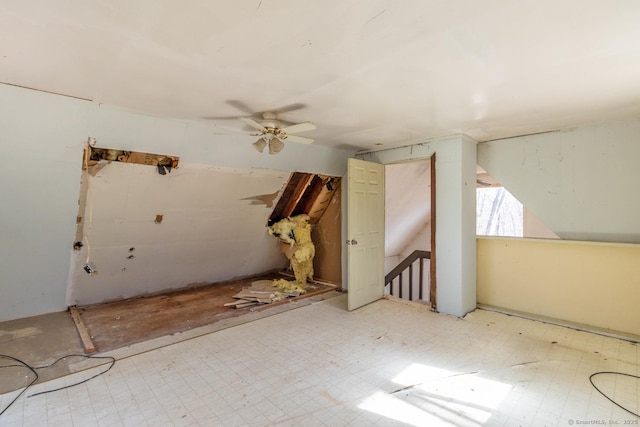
[432, 396]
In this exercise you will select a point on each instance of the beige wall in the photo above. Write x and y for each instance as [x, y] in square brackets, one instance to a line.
[596, 284]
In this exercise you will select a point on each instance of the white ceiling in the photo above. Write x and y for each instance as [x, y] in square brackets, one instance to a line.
[367, 72]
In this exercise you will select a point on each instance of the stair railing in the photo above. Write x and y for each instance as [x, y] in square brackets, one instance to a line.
[407, 263]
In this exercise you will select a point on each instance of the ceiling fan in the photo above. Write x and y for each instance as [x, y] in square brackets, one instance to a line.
[272, 129]
[272, 133]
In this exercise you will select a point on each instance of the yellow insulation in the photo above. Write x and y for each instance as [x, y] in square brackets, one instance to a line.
[296, 231]
[288, 287]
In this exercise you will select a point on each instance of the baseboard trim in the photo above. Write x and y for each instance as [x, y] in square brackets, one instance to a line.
[564, 323]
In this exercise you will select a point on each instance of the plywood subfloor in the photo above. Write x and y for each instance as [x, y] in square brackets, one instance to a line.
[37, 341]
[121, 323]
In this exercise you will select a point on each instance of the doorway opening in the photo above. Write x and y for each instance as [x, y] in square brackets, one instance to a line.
[410, 230]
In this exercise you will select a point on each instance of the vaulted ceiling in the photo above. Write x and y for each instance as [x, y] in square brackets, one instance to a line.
[380, 72]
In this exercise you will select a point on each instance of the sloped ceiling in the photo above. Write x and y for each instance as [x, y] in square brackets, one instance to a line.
[367, 73]
[407, 205]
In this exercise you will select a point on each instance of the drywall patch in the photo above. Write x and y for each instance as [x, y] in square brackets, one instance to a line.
[204, 218]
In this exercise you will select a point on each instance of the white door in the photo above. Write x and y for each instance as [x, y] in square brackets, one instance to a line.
[365, 232]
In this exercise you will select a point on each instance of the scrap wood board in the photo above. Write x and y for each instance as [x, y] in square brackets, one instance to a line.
[85, 337]
[260, 292]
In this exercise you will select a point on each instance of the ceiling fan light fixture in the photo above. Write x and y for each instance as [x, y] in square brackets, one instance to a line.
[260, 144]
[275, 146]
[272, 133]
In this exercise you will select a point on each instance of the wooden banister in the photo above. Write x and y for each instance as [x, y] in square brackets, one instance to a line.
[400, 268]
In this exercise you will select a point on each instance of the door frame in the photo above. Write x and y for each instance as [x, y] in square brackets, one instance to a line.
[432, 262]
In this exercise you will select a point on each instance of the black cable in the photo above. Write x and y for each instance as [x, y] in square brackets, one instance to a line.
[22, 364]
[33, 370]
[608, 398]
[112, 359]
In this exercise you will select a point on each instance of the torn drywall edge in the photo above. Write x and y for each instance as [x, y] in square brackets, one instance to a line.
[264, 199]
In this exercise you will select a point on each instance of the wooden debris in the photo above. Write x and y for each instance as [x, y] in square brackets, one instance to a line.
[260, 292]
[240, 303]
[87, 342]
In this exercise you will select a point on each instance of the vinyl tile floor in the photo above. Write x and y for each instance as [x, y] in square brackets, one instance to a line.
[390, 363]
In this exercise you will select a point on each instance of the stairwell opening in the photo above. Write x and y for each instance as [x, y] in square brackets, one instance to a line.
[409, 230]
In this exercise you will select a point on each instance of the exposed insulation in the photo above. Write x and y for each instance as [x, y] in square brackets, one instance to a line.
[289, 286]
[284, 229]
[296, 231]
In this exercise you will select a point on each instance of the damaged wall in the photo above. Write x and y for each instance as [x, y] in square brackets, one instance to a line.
[46, 135]
[582, 183]
[209, 230]
[319, 197]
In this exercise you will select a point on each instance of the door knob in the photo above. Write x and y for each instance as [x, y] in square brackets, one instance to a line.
[352, 242]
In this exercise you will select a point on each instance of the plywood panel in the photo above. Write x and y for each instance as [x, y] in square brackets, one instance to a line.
[327, 237]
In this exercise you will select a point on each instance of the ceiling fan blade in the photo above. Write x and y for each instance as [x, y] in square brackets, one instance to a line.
[299, 139]
[290, 107]
[241, 106]
[253, 124]
[300, 127]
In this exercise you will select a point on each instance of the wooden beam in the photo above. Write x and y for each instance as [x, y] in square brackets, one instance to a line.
[301, 186]
[82, 330]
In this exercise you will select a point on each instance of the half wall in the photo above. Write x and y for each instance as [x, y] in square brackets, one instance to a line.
[588, 283]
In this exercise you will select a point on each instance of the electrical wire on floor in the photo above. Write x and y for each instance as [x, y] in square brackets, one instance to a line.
[608, 398]
[33, 369]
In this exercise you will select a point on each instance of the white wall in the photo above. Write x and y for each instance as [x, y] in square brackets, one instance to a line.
[211, 231]
[43, 135]
[455, 216]
[582, 183]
